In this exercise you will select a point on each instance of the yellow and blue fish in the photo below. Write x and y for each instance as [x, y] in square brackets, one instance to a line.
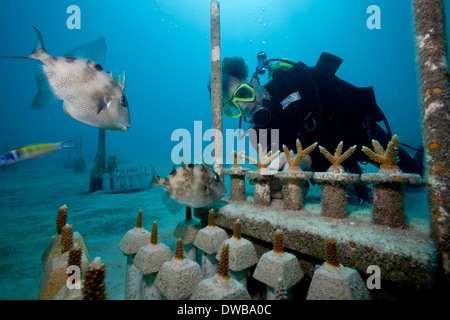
[32, 152]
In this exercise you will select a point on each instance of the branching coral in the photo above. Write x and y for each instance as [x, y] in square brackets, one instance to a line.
[139, 219]
[332, 253]
[264, 160]
[224, 262]
[211, 218]
[61, 219]
[154, 236]
[179, 250]
[66, 238]
[74, 256]
[338, 157]
[237, 157]
[294, 161]
[387, 159]
[237, 230]
[94, 281]
[278, 242]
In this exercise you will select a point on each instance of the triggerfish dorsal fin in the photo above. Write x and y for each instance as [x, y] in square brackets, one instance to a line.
[38, 48]
[207, 166]
[45, 96]
[94, 51]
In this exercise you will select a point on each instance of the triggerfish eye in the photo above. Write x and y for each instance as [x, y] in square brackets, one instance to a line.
[123, 101]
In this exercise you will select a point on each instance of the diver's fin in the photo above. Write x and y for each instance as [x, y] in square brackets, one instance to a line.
[173, 206]
[94, 51]
[45, 96]
[328, 64]
[418, 159]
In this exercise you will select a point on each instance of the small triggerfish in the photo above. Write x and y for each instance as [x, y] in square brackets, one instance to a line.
[90, 94]
[195, 185]
[32, 152]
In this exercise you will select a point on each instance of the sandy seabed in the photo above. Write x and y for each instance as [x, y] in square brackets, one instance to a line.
[29, 200]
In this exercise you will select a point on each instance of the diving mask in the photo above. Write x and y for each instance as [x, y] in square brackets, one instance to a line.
[243, 93]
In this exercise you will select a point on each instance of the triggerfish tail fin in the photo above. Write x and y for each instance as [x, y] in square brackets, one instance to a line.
[38, 46]
[154, 178]
[65, 145]
[170, 204]
[38, 49]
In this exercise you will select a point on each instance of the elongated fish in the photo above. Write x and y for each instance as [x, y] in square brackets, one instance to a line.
[32, 152]
[90, 94]
[193, 185]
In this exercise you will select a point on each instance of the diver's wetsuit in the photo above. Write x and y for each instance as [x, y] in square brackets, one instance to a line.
[313, 105]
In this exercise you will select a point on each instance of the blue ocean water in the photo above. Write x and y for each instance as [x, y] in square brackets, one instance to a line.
[164, 47]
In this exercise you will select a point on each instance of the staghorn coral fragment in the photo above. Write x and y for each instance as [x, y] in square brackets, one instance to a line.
[294, 161]
[332, 253]
[74, 256]
[223, 264]
[237, 230]
[211, 218]
[338, 157]
[66, 238]
[139, 219]
[237, 156]
[154, 236]
[94, 281]
[179, 250]
[387, 159]
[278, 242]
[61, 219]
[264, 160]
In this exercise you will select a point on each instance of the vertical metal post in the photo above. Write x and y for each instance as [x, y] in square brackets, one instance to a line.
[96, 180]
[429, 24]
[216, 88]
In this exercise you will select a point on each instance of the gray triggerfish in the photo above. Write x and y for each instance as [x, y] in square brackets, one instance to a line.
[195, 185]
[32, 152]
[90, 94]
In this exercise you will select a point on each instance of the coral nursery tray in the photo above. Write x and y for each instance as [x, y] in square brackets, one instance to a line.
[404, 256]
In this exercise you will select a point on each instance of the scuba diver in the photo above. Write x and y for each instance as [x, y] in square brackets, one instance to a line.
[313, 105]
